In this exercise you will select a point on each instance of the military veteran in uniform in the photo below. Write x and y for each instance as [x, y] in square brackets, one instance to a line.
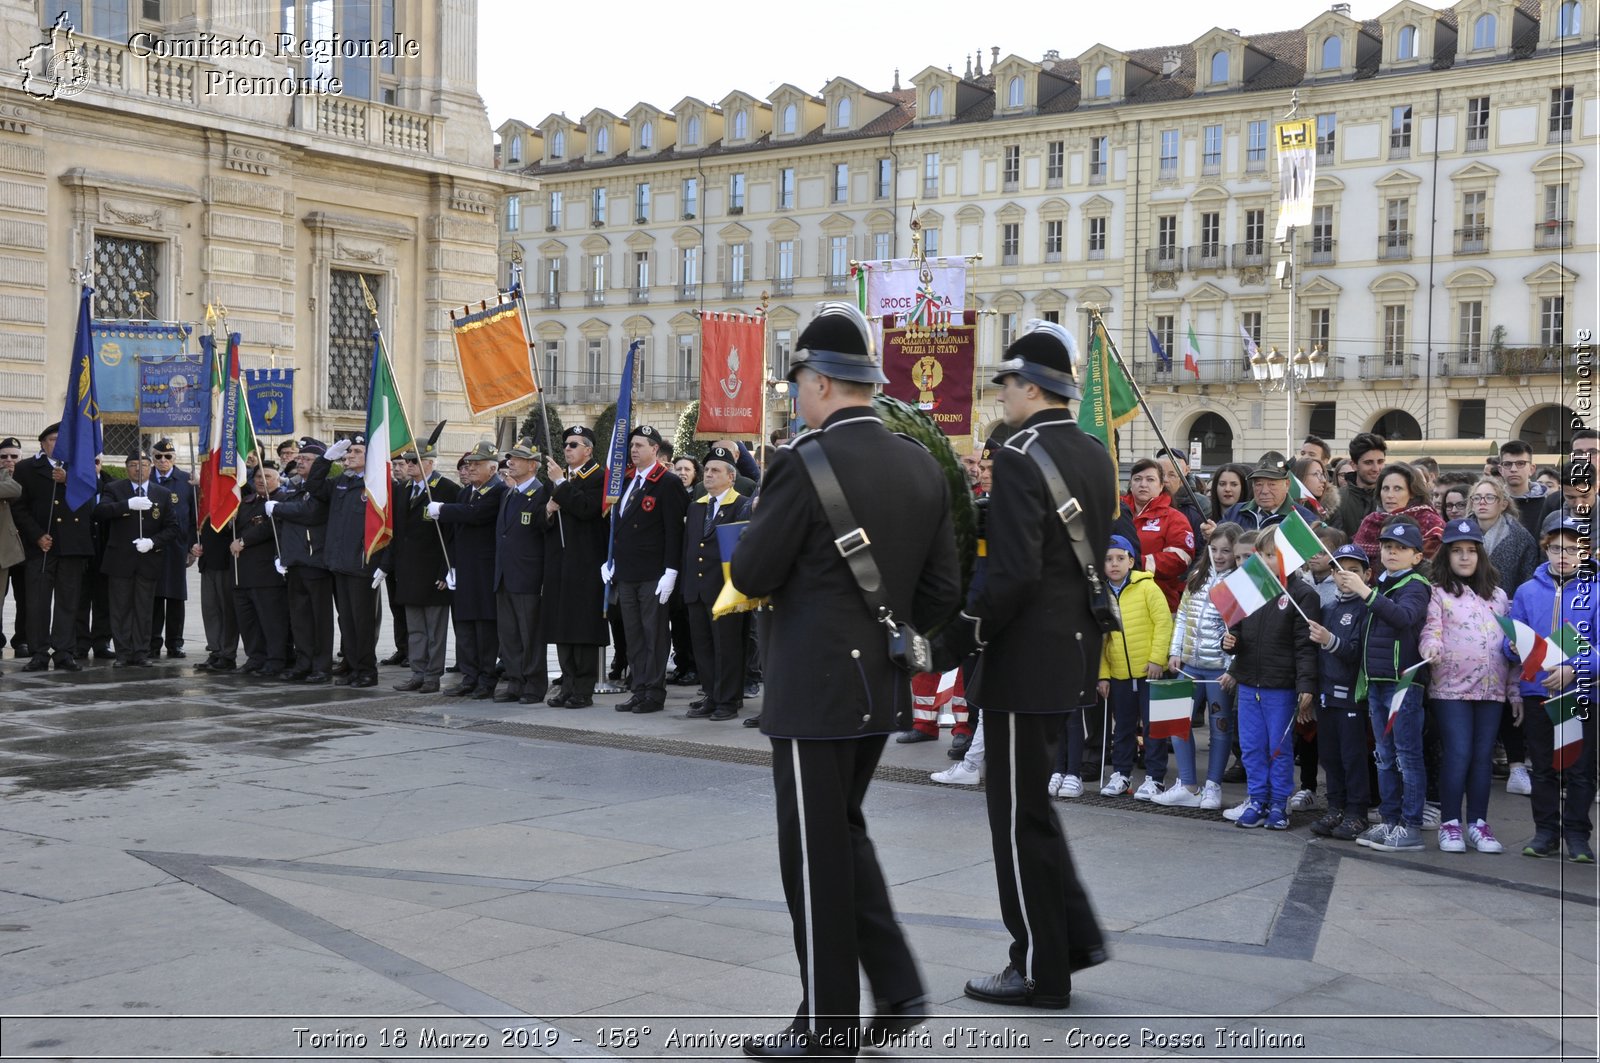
[472, 518]
[573, 610]
[519, 577]
[172, 589]
[261, 593]
[59, 543]
[420, 562]
[719, 645]
[141, 524]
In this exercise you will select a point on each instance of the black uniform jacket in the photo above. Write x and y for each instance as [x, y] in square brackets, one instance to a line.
[42, 510]
[416, 554]
[159, 524]
[174, 581]
[1043, 646]
[473, 518]
[303, 528]
[573, 610]
[649, 532]
[700, 575]
[828, 673]
[519, 540]
[256, 569]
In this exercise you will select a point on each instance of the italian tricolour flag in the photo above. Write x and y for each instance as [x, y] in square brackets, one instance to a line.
[228, 436]
[1171, 702]
[1538, 653]
[1248, 588]
[1568, 735]
[388, 436]
[1297, 544]
[1398, 698]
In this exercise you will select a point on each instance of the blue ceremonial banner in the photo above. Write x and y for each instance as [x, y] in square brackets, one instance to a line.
[80, 440]
[119, 348]
[172, 390]
[617, 462]
[271, 393]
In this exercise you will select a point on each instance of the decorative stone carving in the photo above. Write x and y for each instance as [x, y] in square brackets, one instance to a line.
[116, 215]
[373, 255]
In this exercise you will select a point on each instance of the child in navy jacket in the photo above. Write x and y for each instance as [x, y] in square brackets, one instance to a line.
[1341, 719]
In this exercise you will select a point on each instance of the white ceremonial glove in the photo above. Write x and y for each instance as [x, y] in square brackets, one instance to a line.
[433, 510]
[607, 570]
[338, 450]
[272, 504]
[450, 580]
[139, 503]
[669, 580]
[377, 578]
[144, 546]
[283, 569]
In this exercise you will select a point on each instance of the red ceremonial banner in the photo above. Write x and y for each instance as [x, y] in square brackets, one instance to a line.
[932, 370]
[731, 360]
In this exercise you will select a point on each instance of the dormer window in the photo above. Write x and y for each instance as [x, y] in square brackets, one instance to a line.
[602, 141]
[788, 118]
[935, 102]
[691, 131]
[741, 125]
[1569, 20]
[1219, 68]
[1406, 44]
[842, 114]
[647, 135]
[1014, 92]
[1332, 53]
[558, 144]
[514, 152]
[1102, 83]
[1483, 33]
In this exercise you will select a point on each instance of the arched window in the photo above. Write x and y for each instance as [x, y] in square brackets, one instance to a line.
[1569, 20]
[647, 135]
[935, 101]
[602, 141]
[1332, 53]
[842, 119]
[1483, 32]
[514, 152]
[691, 132]
[1102, 82]
[558, 145]
[1406, 44]
[1014, 93]
[1219, 68]
[741, 125]
[788, 118]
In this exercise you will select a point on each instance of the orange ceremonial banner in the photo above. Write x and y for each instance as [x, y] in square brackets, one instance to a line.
[492, 351]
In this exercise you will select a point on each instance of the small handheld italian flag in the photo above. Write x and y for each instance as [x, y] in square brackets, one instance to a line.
[1297, 544]
[1398, 698]
[1567, 740]
[1299, 492]
[1538, 653]
[1248, 588]
[1171, 702]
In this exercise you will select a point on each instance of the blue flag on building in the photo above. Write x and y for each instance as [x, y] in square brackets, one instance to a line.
[80, 439]
[271, 400]
[1159, 351]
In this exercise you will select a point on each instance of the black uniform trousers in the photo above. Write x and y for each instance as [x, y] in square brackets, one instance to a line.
[580, 668]
[476, 646]
[719, 647]
[685, 651]
[1053, 928]
[838, 899]
[219, 615]
[644, 619]
[357, 603]
[94, 609]
[1342, 751]
[1562, 801]
[55, 585]
[522, 653]
[166, 618]
[131, 598]
[397, 618]
[311, 618]
[16, 580]
[263, 621]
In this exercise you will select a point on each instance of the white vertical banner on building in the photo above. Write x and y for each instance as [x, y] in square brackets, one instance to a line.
[894, 286]
[1297, 172]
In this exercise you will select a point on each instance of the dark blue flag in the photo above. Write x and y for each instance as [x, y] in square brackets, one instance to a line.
[80, 440]
[1160, 352]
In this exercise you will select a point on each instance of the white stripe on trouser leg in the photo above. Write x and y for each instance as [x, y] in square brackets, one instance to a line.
[805, 893]
[1016, 863]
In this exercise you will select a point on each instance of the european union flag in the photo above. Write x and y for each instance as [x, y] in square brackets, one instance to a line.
[80, 440]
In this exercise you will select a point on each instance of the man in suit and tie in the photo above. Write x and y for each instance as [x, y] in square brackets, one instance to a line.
[421, 564]
[172, 589]
[519, 577]
[718, 644]
[573, 607]
[473, 519]
[59, 543]
[141, 524]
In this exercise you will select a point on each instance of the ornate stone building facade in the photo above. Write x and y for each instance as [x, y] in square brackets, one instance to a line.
[171, 154]
[1445, 276]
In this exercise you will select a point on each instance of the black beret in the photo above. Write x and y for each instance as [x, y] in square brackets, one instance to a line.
[54, 429]
[10, 441]
[648, 432]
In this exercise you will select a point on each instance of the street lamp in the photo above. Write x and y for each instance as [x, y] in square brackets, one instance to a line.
[1273, 372]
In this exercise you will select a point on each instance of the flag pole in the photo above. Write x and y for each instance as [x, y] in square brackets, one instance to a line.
[399, 397]
[1097, 319]
[533, 363]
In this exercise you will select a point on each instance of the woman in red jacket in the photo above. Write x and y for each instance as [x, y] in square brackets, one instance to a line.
[1400, 491]
[1166, 541]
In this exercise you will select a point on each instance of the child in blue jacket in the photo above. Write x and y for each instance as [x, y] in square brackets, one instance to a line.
[1341, 719]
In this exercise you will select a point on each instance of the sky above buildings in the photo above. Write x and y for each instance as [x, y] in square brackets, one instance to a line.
[535, 58]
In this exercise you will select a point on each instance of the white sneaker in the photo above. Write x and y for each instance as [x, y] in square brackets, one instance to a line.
[1232, 814]
[1179, 796]
[1431, 817]
[958, 774]
[1071, 786]
[1450, 840]
[1483, 839]
[1211, 795]
[1116, 786]
[1306, 801]
[1147, 790]
[1055, 784]
[1519, 781]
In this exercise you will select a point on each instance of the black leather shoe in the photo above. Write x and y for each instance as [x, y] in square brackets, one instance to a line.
[697, 703]
[503, 697]
[251, 670]
[293, 675]
[144, 662]
[753, 721]
[724, 714]
[102, 651]
[698, 710]
[176, 655]
[1009, 987]
[556, 701]
[531, 697]
[627, 706]
[365, 681]
[344, 679]
[397, 657]
[577, 701]
[414, 683]
[894, 1021]
[959, 745]
[647, 706]
[429, 686]
[340, 667]
[67, 664]
[460, 690]
[118, 663]
[223, 665]
[38, 664]
[682, 678]
[483, 694]
[20, 650]
[317, 678]
[907, 738]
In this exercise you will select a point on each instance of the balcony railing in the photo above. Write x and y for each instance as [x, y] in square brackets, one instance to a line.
[1097, 174]
[1207, 256]
[1163, 260]
[1552, 234]
[838, 282]
[552, 300]
[1168, 170]
[1388, 366]
[638, 296]
[783, 286]
[1394, 245]
[688, 293]
[594, 298]
[1212, 371]
[1473, 240]
[1320, 250]
[733, 289]
[1477, 140]
[1465, 361]
[930, 187]
[1250, 253]
[1400, 145]
[1521, 361]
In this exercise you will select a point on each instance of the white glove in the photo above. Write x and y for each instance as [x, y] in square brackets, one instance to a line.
[272, 504]
[433, 510]
[669, 580]
[283, 569]
[139, 503]
[338, 450]
[144, 546]
[377, 578]
[607, 570]
[450, 580]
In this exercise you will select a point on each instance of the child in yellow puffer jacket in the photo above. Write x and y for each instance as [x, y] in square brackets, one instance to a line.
[1131, 658]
